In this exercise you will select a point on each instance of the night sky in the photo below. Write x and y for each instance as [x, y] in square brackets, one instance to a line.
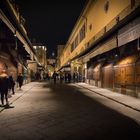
[50, 22]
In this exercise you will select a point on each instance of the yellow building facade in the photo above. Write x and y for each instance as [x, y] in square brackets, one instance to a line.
[95, 18]
[15, 47]
[95, 37]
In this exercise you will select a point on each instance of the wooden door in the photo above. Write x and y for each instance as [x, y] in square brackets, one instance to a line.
[107, 77]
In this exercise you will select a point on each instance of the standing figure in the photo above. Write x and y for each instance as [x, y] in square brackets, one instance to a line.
[69, 77]
[20, 80]
[4, 85]
[38, 76]
[61, 77]
[11, 84]
[66, 77]
[54, 77]
[74, 77]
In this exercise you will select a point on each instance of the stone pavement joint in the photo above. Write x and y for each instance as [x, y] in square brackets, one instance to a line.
[21, 95]
[110, 98]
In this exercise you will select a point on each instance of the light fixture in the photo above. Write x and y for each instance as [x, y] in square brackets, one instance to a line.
[15, 34]
[85, 66]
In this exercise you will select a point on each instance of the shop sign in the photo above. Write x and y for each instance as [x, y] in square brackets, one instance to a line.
[129, 32]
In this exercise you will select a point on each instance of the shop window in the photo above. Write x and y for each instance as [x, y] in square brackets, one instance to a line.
[106, 6]
[133, 3]
[82, 32]
[72, 46]
[76, 41]
[90, 27]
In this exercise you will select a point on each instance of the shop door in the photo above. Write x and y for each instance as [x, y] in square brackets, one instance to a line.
[123, 80]
[138, 74]
[108, 77]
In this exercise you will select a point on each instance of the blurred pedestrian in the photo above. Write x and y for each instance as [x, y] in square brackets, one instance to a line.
[69, 77]
[66, 77]
[61, 77]
[4, 85]
[38, 76]
[11, 83]
[54, 76]
[74, 77]
[20, 80]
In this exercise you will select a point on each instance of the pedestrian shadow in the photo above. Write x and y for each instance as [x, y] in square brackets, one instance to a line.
[8, 106]
[45, 86]
[1, 106]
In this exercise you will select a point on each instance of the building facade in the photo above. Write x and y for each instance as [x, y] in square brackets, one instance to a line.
[51, 66]
[41, 53]
[59, 51]
[15, 47]
[104, 45]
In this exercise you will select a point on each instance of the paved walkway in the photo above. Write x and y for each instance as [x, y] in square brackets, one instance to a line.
[125, 100]
[47, 111]
[19, 93]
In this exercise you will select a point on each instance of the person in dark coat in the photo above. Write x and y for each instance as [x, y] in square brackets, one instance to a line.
[11, 84]
[74, 77]
[54, 76]
[4, 85]
[61, 77]
[69, 77]
[20, 80]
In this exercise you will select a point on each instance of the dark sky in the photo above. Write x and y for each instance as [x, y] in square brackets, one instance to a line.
[50, 22]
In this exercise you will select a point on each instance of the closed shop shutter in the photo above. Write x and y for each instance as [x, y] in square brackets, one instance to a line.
[125, 71]
[138, 74]
[107, 76]
[97, 74]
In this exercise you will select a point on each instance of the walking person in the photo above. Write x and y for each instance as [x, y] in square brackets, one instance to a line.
[61, 77]
[4, 85]
[11, 83]
[54, 76]
[69, 77]
[20, 80]
[74, 77]
[66, 77]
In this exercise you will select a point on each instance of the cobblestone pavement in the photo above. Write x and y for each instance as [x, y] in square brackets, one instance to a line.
[63, 112]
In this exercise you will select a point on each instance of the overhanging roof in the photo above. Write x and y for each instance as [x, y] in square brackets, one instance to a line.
[109, 33]
[6, 9]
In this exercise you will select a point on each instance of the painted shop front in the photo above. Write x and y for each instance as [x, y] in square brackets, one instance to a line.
[100, 67]
[6, 64]
[127, 68]
[125, 75]
[77, 70]
[119, 68]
